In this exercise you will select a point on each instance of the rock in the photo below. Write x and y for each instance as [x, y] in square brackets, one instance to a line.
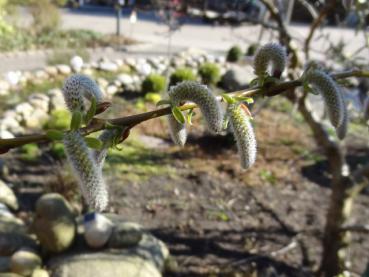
[145, 260]
[54, 223]
[13, 77]
[98, 229]
[144, 69]
[9, 274]
[10, 124]
[111, 90]
[39, 101]
[41, 74]
[4, 264]
[24, 262]
[56, 99]
[102, 82]
[4, 134]
[125, 234]
[24, 109]
[38, 272]
[237, 78]
[131, 62]
[13, 241]
[36, 120]
[76, 63]
[4, 87]
[7, 196]
[125, 79]
[51, 70]
[108, 66]
[64, 69]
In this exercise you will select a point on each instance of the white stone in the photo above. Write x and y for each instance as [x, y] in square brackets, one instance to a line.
[40, 273]
[25, 109]
[111, 90]
[13, 77]
[5, 134]
[103, 83]
[56, 99]
[37, 119]
[125, 79]
[51, 70]
[108, 66]
[41, 74]
[76, 63]
[64, 69]
[24, 262]
[98, 230]
[144, 69]
[7, 196]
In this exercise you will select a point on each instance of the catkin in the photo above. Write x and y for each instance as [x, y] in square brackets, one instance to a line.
[243, 133]
[203, 97]
[331, 93]
[341, 130]
[271, 54]
[88, 174]
[177, 131]
[78, 86]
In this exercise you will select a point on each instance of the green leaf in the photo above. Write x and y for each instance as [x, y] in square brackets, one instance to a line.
[228, 99]
[163, 102]
[91, 111]
[76, 121]
[178, 115]
[54, 134]
[248, 100]
[190, 114]
[93, 143]
[254, 82]
[225, 123]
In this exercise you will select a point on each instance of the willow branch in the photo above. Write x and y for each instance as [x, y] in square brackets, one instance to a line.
[98, 124]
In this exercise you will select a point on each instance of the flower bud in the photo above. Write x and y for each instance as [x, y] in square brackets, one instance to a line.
[177, 131]
[271, 54]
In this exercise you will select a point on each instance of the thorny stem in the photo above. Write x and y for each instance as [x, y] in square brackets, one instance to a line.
[98, 124]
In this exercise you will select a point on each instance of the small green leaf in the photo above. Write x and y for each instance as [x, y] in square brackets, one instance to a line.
[228, 99]
[93, 143]
[178, 115]
[225, 123]
[91, 112]
[248, 100]
[254, 82]
[163, 102]
[76, 121]
[190, 114]
[54, 134]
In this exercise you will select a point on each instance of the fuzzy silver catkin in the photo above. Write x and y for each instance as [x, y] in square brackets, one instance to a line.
[331, 93]
[341, 130]
[270, 54]
[89, 176]
[177, 131]
[78, 86]
[203, 97]
[244, 134]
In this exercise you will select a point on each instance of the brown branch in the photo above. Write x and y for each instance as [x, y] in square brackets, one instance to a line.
[327, 9]
[133, 120]
[355, 228]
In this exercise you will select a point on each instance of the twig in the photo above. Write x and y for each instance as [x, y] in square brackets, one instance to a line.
[355, 228]
[285, 249]
[133, 120]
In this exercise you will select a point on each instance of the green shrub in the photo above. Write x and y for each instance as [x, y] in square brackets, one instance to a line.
[252, 49]
[182, 74]
[153, 83]
[209, 73]
[234, 54]
[30, 152]
[153, 97]
[46, 16]
[59, 120]
[57, 150]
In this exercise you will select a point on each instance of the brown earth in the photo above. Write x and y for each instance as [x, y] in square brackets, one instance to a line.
[217, 219]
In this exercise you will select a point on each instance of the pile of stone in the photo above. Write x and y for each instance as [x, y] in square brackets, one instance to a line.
[59, 243]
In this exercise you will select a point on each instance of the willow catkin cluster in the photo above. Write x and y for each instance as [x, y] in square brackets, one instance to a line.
[341, 130]
[271, 54]
[76, 88]
[85, 164]
[86, 170]
[243, 133]
[331, 93]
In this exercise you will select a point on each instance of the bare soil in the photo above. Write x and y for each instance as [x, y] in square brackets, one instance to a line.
[217, 219]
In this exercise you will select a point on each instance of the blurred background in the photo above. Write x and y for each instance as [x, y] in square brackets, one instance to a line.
[215, 218]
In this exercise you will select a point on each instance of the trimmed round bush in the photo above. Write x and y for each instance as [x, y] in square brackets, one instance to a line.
[251, 50]
[209, 73]
[234, 54]
[182, 74]
[153, 83]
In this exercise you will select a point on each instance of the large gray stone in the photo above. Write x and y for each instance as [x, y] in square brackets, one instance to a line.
[24, 262]
[145, 260]
[4, 264]
[54, 223]
[13, 241]
[7, 196]
[237, 78]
